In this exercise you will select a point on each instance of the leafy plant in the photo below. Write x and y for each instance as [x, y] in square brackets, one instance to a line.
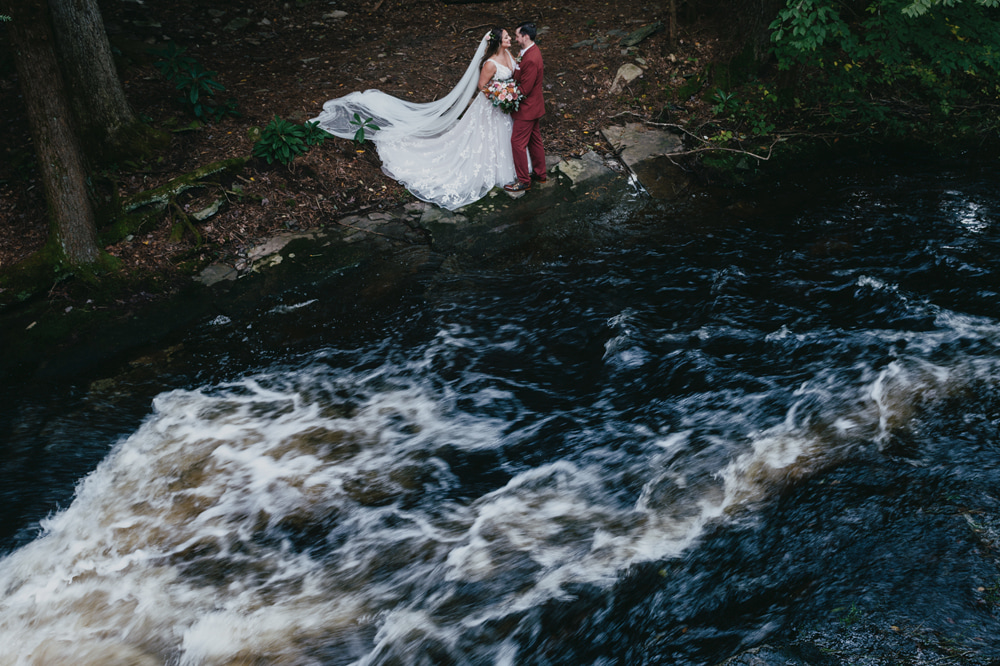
[902, 66]
[197, 85]
[173, 62]
[723, 103]
[918, 7]
[283, 141]
[362, 124]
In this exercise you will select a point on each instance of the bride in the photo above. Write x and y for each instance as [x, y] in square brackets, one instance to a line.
[438, 153]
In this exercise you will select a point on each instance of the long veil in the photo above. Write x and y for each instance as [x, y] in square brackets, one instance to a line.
[397, 117]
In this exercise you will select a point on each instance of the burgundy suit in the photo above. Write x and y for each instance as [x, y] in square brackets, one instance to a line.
[526, 137]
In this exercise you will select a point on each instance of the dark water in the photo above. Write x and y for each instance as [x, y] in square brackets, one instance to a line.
[664, 435]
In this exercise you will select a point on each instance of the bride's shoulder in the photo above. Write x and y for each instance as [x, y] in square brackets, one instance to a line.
[502, 60]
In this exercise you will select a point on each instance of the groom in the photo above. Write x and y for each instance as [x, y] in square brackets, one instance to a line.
[527, 137]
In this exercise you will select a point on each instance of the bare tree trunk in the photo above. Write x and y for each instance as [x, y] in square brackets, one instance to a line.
[60, 160]
[753, 27]
[106, 121]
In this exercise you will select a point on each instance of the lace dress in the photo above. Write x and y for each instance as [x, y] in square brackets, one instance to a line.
[462, 164]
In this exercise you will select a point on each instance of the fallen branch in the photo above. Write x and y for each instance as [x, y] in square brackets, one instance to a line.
[710, 147]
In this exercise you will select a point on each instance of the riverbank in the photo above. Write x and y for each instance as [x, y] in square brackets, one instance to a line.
[36, 335]
[284, 60]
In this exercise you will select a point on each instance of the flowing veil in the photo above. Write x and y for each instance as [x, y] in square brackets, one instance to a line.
[397, 118]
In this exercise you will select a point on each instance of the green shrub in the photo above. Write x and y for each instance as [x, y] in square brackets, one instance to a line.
[173, 62]
[902, 66]
[283, 141]
[197, 85]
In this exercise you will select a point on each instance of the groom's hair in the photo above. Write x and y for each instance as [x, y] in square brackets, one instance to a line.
[528, 28]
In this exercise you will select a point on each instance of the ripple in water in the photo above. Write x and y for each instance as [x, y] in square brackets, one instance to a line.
[427, 502]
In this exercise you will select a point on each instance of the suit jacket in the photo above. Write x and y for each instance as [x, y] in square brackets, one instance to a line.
[529, 77]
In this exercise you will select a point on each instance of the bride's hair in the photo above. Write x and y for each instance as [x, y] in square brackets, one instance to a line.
[493, 46]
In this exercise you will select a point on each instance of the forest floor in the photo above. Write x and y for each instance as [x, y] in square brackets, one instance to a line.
[285, 58]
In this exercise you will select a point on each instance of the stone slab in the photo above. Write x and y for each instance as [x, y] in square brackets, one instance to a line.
[590, 166]
[636, 142]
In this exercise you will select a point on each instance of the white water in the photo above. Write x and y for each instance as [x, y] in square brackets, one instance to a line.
[312, 515]
[180, 548]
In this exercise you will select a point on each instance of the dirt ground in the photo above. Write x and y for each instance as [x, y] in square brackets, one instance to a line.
[291, 56]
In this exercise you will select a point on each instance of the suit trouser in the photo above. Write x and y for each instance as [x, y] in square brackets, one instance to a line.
[525, 140]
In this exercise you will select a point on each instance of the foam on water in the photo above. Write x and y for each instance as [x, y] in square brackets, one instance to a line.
[307, 512]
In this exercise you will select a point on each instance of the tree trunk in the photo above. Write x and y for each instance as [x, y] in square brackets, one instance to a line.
[753, 29]
[106, 122]
[59, 158]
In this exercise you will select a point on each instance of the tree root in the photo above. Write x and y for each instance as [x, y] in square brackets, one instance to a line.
[161, 197]
[177, 228]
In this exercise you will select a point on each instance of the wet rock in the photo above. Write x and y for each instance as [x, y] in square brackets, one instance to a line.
[215, 273]
[435, 215]
[276, 243]
[644, 150]
[416, 207]
[795, 655]
[589, 167]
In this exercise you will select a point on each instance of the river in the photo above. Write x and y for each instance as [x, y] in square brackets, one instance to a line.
[665, 434]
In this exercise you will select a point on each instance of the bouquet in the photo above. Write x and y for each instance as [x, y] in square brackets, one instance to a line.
[505, 94]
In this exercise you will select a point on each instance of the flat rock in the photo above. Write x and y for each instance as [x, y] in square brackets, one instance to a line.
[441, 215]
[215, 273]
[589, 167]
[275, 244]
[635, 142]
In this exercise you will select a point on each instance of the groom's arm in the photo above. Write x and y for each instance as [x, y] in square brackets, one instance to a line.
[529, 76]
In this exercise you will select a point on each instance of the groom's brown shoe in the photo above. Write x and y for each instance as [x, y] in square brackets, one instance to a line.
[539, 179]
[519, 186]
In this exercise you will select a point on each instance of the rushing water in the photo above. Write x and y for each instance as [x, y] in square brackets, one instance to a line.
[692, 433]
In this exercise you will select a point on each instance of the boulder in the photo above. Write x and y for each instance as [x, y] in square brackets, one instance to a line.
[627, 73]
[642, 33]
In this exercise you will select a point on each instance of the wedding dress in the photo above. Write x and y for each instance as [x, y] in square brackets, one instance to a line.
[440, 154]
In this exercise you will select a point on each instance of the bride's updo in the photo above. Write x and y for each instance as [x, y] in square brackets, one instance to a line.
[495, 37]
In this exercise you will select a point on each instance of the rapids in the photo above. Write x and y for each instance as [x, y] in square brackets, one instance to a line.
[706, 427]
